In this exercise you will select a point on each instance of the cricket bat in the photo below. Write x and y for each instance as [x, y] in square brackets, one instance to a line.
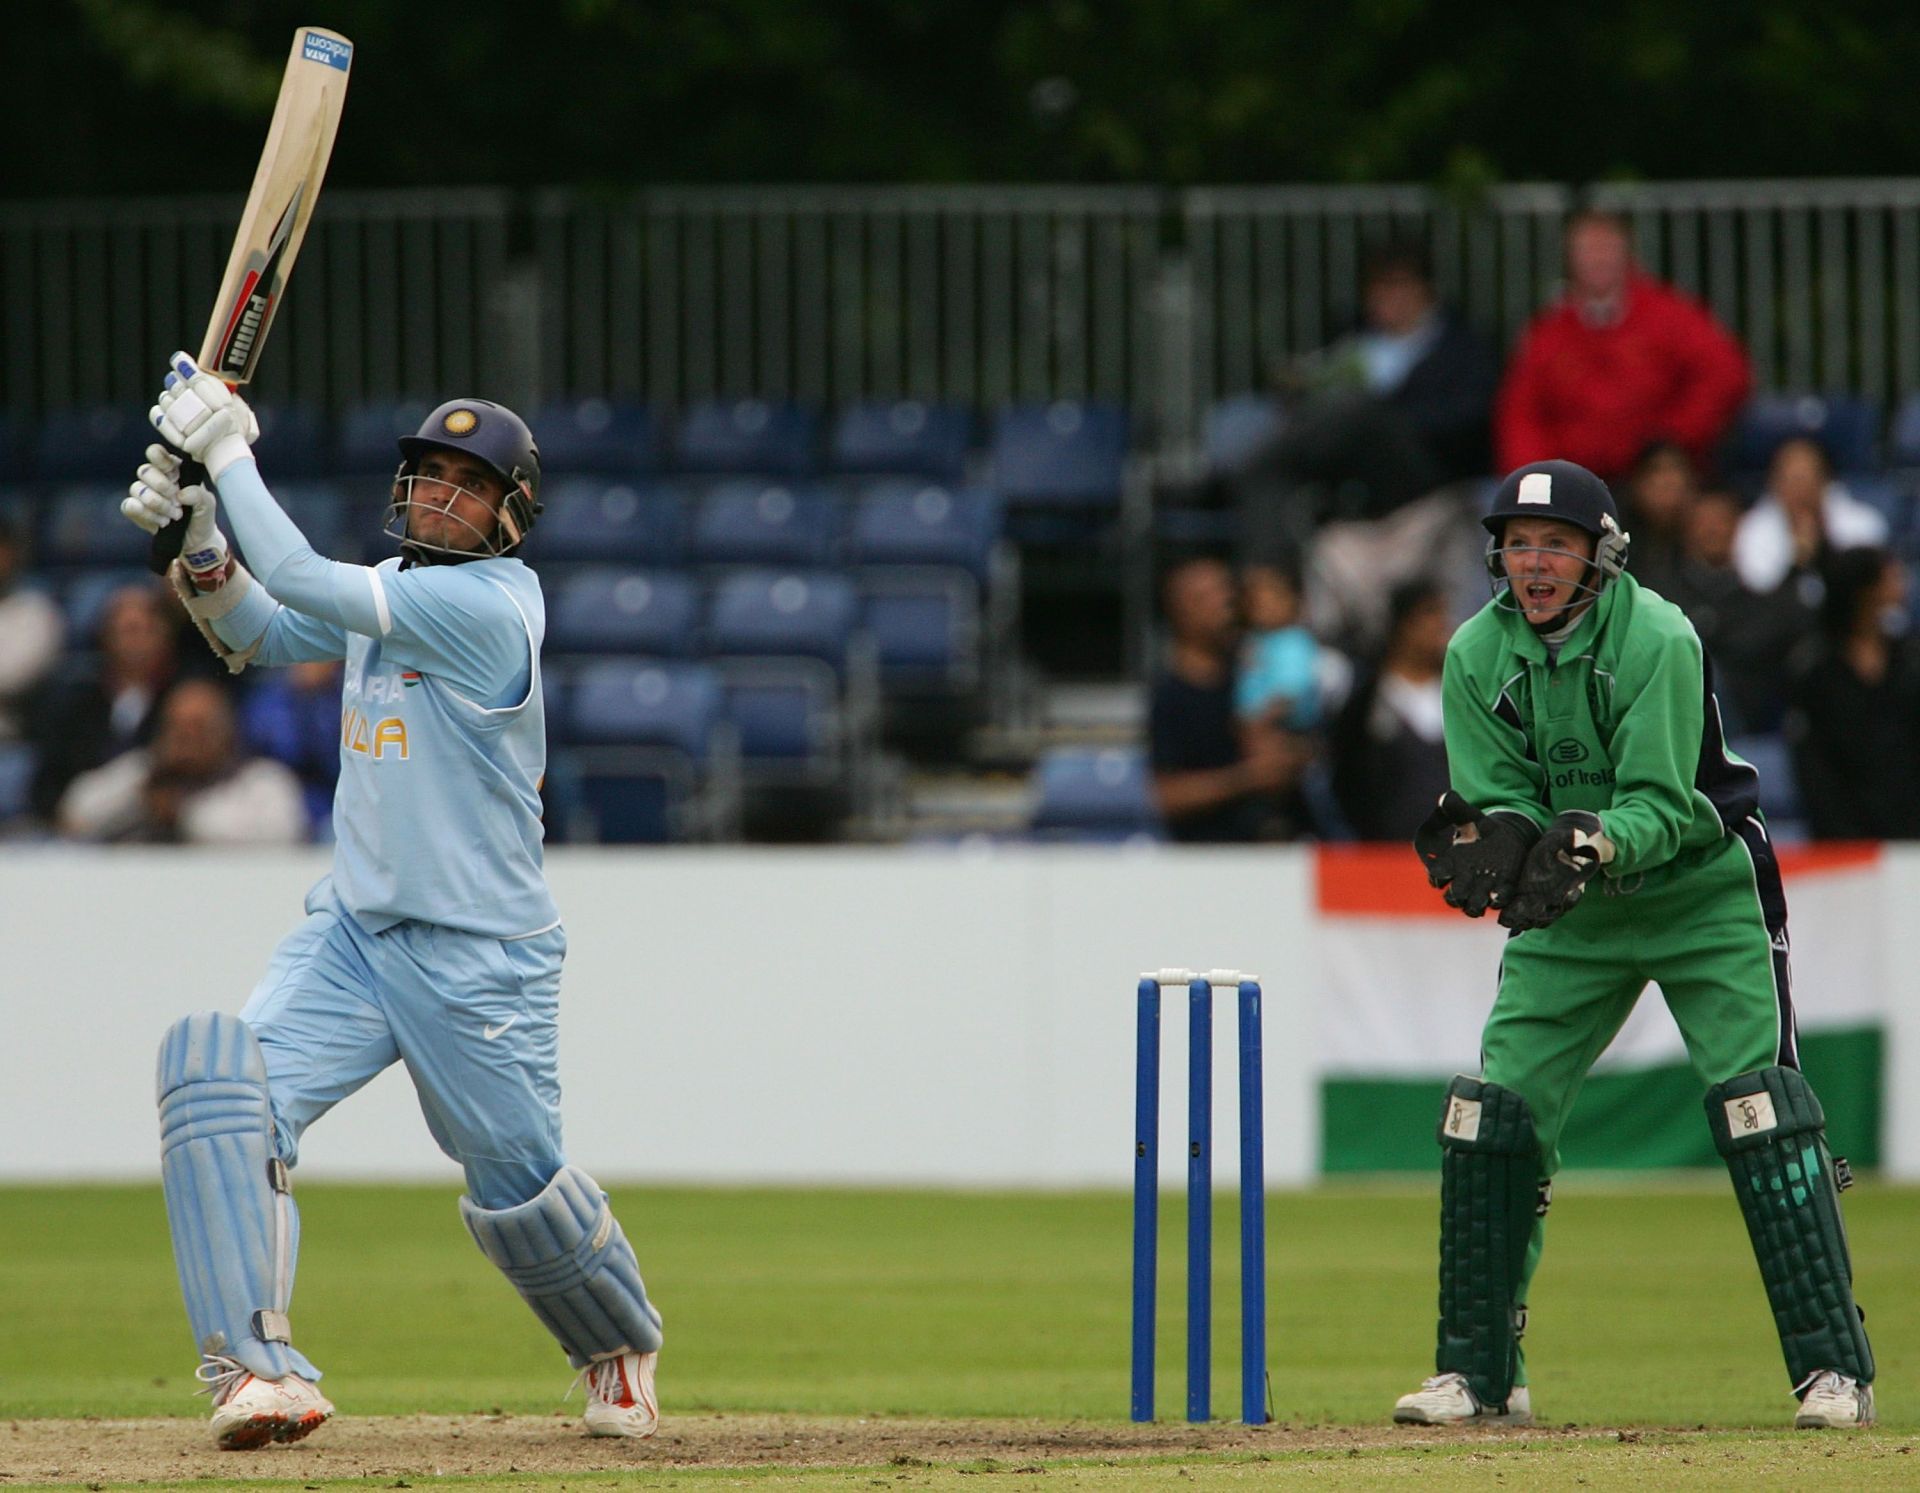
[286, 185]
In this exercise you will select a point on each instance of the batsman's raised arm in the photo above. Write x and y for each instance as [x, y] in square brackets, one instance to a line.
[198, 414]
[450, 505]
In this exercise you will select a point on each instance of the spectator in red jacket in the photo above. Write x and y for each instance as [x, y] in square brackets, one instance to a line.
[1619, 361]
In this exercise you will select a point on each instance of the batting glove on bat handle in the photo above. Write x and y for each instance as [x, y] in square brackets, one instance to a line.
[203, 419]
[170, 499]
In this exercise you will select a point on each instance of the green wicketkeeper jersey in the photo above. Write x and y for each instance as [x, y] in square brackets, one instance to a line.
[1624, 724]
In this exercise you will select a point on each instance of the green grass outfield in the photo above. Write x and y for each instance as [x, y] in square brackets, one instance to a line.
[1648, 1313]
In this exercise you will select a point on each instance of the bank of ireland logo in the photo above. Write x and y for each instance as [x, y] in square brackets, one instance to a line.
[1568, 751]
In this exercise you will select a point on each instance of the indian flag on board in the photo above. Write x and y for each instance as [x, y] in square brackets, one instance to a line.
[1408, 982]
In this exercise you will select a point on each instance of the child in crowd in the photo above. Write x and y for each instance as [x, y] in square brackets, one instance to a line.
[1282, 665]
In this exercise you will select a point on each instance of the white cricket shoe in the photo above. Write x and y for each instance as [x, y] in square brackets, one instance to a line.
[1445, 1400]
[249, 1411]
[620, 1398]
[1834, 1401]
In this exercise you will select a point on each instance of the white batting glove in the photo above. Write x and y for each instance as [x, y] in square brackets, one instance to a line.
[203, 417]
[156, 499]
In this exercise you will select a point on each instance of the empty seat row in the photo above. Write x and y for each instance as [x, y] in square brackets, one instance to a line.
[742, 522]
[655, 749]
[923, 626]
[1061, 452]
[732, 522]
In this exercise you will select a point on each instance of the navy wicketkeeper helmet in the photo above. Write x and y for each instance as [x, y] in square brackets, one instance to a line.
[498, 437]
[1566, 491]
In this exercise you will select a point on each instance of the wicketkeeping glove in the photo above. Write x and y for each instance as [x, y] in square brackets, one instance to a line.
[1558, 868]
[156, 499]
[1474, 858]
[201, 416]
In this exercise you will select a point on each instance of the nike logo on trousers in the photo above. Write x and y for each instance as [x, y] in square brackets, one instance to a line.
[490, 1032]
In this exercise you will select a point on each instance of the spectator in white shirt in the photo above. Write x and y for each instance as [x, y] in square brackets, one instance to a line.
[31, 632]
[1801, 516]
[191, 786]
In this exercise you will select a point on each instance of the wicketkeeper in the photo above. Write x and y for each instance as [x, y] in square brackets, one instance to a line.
[1595, 808]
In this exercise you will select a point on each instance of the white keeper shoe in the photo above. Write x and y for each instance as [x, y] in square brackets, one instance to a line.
[1445, 1400]
[249, 1411]
[620, 1397]
[1833, 1401]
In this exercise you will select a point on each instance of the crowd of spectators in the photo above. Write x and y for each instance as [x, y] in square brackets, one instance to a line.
[139, 736]
[1299, 691]
[1367, 494]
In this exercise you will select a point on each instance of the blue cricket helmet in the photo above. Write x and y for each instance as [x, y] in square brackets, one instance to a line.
[1566, 491]
[498, 437]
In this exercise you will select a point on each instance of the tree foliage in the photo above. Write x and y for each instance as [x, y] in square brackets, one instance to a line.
[159, 95]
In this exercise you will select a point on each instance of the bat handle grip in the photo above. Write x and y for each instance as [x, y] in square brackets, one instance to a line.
[171, 536]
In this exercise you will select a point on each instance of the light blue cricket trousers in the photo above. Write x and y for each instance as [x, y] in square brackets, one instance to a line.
[475, 1019]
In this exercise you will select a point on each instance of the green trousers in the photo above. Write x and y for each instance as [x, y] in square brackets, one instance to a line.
[1710, 930]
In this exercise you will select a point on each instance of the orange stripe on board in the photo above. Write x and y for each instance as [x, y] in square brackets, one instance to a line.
[1824, 860]
[1380, 881]
[1386, 881]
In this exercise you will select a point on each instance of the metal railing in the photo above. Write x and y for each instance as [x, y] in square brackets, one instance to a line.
[389, 297]
[1275, 271]
[1164, 301]
[977, 295]
[1820, 279]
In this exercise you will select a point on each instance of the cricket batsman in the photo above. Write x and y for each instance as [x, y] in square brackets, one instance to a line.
[433, 941]
[1595, 808]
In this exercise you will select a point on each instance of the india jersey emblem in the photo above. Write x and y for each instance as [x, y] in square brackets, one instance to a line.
[460, 422]
[409, 677]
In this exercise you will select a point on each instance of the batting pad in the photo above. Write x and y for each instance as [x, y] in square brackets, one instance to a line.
[229, 1207]
[566, 1256]
[1770, 1128]
[1489, 1195]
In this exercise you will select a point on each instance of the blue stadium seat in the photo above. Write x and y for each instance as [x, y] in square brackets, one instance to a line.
[84, 597]
[94, 443]
[784, 613]
[334, 524]
[746, 435]
[1064, 455]
[1846, 425]
[293, 443]
[632, 807]
[925, 625]
[369, 432]
[644, 702]
[1779, 784]
[83, 526]
[1237, 427]
[905, 437]
[1891, 499]
[787, 716]
[608, 609]
[1903, 440]
[765, 523]
[920, 523]
[1101, 793]
[20, 507]
[593, 519]
[615, 438]
[16, 779]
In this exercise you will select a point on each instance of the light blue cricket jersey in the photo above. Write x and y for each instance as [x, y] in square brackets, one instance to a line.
[443, 737]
